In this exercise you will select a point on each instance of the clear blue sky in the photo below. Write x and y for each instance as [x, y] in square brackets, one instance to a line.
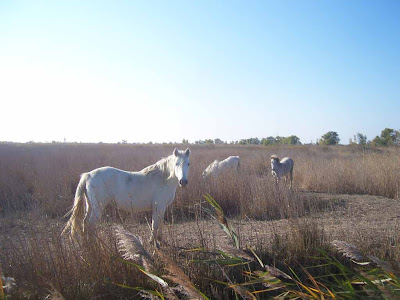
[166, 70]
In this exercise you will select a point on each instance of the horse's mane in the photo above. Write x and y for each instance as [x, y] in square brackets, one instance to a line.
[162, 168]
[274, 156]
[213, 164]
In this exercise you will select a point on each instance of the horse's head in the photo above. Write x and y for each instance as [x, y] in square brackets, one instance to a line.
[182, 164]
[274, 161]
[210, 169]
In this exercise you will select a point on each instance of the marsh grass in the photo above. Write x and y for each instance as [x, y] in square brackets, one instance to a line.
[246, 275]
[45, 176]
[38, 182]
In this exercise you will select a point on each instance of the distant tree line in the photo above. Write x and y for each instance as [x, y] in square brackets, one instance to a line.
[388, 137]
[290, 140]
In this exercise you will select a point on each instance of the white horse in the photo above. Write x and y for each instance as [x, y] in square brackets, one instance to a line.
[281, 168]
[218, 167]
[153, 188]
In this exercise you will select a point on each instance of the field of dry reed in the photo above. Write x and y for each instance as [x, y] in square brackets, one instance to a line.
[339, 192]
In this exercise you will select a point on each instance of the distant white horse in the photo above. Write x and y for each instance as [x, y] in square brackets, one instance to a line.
[281, 168]
[218, 167]
[153, 188]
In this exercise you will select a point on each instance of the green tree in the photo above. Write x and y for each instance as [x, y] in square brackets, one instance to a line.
[360, 139]
[185, 141]
[388, 137]
[250, 141]
[253, 141]
[292, 140]
[268, 141]
[279, 139]
[330, 138]
[218, 141]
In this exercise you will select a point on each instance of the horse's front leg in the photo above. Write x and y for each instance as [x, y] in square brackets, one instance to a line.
[157, 222]
[275, 177]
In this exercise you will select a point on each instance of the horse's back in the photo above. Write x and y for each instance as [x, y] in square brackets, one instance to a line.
[108, 172]
[287, 161]
[231, 161]
[212, 167]
[130, 190]
[232, 158]
[115, 179]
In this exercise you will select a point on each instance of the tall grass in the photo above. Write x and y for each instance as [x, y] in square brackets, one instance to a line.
[38, 182]
[45, 176]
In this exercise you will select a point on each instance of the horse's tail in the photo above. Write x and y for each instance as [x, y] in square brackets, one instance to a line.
[75, 222]
[238, 166]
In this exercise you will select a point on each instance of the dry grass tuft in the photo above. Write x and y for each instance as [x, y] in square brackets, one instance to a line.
[54, 294]
[348, 250]
[176, 275]
[232, 251]
[131, 246]
[383, 264]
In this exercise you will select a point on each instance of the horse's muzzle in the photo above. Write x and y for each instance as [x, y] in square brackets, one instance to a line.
[183, 182]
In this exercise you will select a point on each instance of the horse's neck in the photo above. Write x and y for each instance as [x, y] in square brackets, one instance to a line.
[163, 169]
[166, 167]
[170, 166]
[277, 166]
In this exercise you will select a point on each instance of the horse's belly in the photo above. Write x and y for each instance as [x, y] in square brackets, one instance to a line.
[134, 203]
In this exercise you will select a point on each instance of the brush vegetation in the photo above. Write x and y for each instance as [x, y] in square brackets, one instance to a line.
[235, 236]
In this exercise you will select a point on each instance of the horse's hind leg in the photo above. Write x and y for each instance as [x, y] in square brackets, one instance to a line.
[291, 178]
[93, 213]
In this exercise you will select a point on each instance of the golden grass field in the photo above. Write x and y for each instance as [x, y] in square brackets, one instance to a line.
[346, 193]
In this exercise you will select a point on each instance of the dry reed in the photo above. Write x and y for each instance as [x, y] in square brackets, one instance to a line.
[38, 182]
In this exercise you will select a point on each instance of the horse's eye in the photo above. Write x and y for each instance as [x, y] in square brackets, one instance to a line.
[188, 164]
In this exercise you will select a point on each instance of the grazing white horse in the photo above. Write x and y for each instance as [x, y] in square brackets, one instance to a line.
[281, 168]
[152, 188]
[218, 167]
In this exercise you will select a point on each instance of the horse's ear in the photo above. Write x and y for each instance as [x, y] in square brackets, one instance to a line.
[176, 152]
[187, 152]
